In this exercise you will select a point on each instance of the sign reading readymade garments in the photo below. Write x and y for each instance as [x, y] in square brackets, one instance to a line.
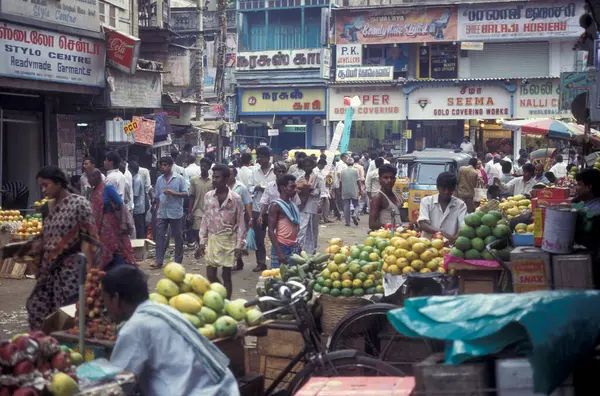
[50, 56]
[510, 21]
[81, 14]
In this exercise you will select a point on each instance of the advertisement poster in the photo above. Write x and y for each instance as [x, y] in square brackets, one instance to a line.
[459, 103]
[509, 21]
[30, 53]
[278, 100]
[396, 25]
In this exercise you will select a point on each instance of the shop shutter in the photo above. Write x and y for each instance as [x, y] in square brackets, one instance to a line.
[511, 60]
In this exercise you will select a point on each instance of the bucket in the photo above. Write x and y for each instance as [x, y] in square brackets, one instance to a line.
[559, 229]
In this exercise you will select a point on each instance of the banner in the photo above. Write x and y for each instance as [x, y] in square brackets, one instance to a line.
[362, 73]
[396, 25]
[510, 21]
[26, 52]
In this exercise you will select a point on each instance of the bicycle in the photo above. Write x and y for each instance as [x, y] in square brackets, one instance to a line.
[317, 360]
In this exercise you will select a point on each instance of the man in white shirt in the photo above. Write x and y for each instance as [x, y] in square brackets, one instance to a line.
[466, 145]
[489, 162]
[261, 176]
[192, 169]
[560, 167]
[114, 177]
[372, 184]
[245, 172]
[495, 170]
[89, 164]
[519, 185]
[442, 212]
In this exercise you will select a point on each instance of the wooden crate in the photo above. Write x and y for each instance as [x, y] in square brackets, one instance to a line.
[277, 350]
[13, 269]
[473, 279]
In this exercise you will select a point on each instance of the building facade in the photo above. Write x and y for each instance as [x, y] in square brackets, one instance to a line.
[281, 69]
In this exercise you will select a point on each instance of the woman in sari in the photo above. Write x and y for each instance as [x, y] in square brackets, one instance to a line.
[68, 229]
[112, 223]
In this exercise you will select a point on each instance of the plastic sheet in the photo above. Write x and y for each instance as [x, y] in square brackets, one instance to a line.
[556, 328]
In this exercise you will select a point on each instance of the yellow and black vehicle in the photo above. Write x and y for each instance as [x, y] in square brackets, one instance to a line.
[418, 172]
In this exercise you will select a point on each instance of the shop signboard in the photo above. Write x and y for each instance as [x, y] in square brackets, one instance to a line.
[362, 73]
[30, 53]
[142, 90]
[573, 84]
[277, 100]
[72, 13]
[348, 55]
[539, 99]
[279, 60]
[122, 50]
[377, 103]
[178, 67]
[412, 3]
[396, 25]
[459, 103]
[185, 20]
[510, 21]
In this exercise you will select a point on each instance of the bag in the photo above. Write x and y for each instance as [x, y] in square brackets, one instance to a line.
[480, 191]
[251, 240]
[144, 134]
[115, 132]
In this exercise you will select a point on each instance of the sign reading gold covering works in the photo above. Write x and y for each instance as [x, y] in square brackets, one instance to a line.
[279, 100]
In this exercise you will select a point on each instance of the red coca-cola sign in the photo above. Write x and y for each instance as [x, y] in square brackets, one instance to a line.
[122, 50]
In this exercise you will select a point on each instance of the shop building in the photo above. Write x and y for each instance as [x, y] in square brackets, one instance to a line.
[281, 71]
[463, 68]
[49, 64]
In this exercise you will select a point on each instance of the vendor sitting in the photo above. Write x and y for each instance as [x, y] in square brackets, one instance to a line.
[159, 345]
[588, 189]
[519, 185]
[442, 212]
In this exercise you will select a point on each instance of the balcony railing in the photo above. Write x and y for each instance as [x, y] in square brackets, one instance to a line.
[154, 13]
[263, 38]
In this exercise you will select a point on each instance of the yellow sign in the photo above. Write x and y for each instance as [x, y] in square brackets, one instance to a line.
[129, 128]
[407, 134]
[282, 100]
[414, 202]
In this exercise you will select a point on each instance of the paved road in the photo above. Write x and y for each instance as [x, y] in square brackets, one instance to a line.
[14, 293]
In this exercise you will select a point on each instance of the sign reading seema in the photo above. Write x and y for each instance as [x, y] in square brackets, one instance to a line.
[34, 54]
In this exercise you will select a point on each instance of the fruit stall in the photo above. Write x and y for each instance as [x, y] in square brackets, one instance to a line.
[203, 303]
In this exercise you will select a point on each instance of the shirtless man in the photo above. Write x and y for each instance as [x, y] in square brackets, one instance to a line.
[386, 204]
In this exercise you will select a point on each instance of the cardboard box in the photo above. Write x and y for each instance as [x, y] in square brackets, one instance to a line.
[538, 209]
[62, 319]
[553, 193]
[530, 269]
[347, 386]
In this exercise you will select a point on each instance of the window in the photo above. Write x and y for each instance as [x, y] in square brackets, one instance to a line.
[109, 14]
[427, 173]
[438, 61]
[388, 55]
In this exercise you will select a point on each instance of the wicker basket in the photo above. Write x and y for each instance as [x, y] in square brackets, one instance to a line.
[335, 308]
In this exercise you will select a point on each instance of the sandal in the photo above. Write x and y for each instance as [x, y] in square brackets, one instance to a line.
[155, 266]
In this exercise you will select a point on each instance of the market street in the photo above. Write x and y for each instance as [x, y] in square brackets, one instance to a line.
[14, 293]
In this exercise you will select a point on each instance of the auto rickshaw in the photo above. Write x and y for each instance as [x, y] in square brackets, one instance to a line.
[422, 169]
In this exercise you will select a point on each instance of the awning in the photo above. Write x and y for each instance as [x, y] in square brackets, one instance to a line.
[208, 126]
[545, 127]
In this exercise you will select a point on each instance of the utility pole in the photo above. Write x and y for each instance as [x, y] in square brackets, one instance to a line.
[199, 58]
[221, 49]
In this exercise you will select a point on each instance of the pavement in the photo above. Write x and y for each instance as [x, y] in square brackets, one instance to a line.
[14, 293]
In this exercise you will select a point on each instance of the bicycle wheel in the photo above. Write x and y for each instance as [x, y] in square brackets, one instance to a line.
[368, 330]
[343, 365]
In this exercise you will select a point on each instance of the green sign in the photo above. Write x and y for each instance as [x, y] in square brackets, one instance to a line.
[294, 128]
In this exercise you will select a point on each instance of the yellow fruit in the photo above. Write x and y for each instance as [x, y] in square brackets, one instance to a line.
[530, 227]
[412, 240]
[336, 241]
[408, 269]
[400, 252]
[442, 270]
[334, 249]
[335, 276]
[347, 276]
[402, 244]
[391, 260]
[411, 256]
[437, 243]
[328, 251]
[389, 250]
[384, 267]
[394, 269]
[356, 283]
[425, 270]
[417, 264]
[432, 265]
[419, 247]
[402, 262]
[266, 273]
[345, 250]
[347, 283]
[425, 242]
[174, 271]
[444, 251]
[339, 259]
[332, 267]
[373, 256]
[63, 385]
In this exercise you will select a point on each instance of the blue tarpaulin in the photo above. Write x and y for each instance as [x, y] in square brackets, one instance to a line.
[554, 328]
